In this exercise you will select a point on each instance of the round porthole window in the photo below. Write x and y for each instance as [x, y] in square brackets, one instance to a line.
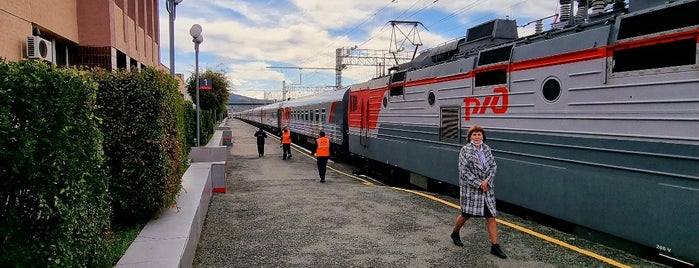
[430, 98]
[551, 90]
[385, 101]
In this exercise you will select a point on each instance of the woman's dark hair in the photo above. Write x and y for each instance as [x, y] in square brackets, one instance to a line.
[474, 128]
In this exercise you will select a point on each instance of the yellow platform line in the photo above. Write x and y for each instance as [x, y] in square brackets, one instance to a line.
[506, 223]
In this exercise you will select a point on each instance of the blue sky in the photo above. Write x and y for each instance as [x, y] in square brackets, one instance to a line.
[243, 38]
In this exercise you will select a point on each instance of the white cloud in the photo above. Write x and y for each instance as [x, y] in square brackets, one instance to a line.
[245, 37]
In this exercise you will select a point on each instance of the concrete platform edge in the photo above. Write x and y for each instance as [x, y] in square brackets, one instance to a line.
[170, 240]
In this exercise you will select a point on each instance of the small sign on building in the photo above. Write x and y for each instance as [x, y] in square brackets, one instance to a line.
[205, 84]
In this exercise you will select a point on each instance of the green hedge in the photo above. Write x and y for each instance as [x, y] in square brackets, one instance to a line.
[54, 207]
[144, 121]
[80, 148]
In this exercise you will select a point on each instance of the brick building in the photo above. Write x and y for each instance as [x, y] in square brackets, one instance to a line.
[106, 33]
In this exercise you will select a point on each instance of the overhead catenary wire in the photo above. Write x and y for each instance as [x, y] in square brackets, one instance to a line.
[367, 18]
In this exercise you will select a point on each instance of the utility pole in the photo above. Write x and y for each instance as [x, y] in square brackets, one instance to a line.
[366, 57]
[284, 90]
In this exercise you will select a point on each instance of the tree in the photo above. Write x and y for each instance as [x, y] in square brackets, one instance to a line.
[214, 99]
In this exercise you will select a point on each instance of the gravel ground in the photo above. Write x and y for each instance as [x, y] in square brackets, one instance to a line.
[276, 214]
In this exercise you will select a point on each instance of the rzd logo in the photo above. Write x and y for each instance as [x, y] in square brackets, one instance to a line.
[489, 101]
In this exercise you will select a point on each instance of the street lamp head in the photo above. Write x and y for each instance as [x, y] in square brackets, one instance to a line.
[178, 1]
[195, 31]
[199, 39]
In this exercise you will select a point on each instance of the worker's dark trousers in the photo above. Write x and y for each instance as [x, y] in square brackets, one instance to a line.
[261, 149]
[286, 147]
[322, 166]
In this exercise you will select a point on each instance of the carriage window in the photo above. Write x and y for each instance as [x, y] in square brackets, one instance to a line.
[317, 116]
[322, 115]
[449, 128]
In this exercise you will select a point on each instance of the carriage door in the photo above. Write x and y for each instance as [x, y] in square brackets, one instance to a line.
[364, 124]
[280, 124]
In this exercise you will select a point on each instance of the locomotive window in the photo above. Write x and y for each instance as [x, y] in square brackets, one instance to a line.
[494, 77]
[661, 20]
[551, 90]
[677, 53]
[398, 77]
[353, 103]
[396, 91]
[449, 120]
[385, 102]
[495, 55]
[430, 98]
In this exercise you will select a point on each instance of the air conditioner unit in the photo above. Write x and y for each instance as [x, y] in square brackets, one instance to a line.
[39, 48]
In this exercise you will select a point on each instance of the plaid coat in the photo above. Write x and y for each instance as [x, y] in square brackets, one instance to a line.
[471, 174]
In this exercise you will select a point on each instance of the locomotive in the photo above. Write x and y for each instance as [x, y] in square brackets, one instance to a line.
[594, 122]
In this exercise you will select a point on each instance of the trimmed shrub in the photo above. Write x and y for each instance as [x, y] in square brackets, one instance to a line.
[190, 125]
[144, 126]
[54, 207]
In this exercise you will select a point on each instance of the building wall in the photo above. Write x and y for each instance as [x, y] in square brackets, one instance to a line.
[57, 18]
[84, 26]
[95, 23]
[14, 30]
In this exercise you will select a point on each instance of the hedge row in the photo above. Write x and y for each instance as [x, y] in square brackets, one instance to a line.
[79, 149]
[54, 203]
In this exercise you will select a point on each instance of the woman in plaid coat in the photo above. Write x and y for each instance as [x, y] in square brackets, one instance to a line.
[476, 175]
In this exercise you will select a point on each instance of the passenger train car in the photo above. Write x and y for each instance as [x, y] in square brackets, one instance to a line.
[595, 122]
[306, 117]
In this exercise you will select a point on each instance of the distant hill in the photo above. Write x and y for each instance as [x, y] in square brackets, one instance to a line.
[235, 99]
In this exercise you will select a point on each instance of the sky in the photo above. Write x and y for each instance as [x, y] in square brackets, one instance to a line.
[250, 40]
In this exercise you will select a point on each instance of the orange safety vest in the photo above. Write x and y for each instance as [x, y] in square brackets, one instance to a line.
[286, 136]
[323, 146]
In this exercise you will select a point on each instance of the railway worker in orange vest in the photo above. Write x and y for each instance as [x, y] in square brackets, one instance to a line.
[286, 143]
[322, 154]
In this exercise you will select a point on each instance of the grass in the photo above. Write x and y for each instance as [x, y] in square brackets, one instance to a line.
[120, 238]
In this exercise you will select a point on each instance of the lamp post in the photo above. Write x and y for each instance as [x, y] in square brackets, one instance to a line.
[171, 4]
[197, 38]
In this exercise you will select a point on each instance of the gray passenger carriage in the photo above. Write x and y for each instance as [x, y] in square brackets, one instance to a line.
[307, 116]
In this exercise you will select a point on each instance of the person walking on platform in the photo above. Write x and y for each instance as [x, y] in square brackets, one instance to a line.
[476, 177]
[261, 136]
[322, 154]
[286, 143]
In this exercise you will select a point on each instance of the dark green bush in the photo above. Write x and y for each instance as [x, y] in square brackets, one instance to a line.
[54, 207]
[190, 123]
[144, 126]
